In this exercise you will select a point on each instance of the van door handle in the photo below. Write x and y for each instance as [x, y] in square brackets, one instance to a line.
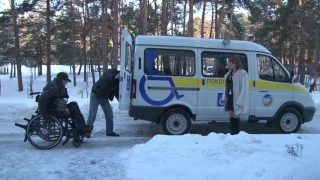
[263, 91]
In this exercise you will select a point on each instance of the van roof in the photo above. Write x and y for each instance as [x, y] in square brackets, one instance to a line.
[179, 41]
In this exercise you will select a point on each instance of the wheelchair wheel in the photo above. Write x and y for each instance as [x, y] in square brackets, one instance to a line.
[44, 134]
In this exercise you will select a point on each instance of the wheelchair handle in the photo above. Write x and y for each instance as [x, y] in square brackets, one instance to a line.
[34, 93]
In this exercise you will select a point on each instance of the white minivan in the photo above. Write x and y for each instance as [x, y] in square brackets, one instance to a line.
[162, 80]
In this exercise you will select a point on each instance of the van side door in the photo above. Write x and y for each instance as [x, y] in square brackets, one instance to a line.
[125, 70]
[212, 86]
[271, 86]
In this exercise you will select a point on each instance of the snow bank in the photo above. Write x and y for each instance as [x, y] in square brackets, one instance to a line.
[219, 156]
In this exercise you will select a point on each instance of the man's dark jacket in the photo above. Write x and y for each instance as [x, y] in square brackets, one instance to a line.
[107, 86]
[52, 91]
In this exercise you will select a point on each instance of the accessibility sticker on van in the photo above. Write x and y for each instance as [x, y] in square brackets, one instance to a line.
[219, 100]
[173, 94]
[128, 83]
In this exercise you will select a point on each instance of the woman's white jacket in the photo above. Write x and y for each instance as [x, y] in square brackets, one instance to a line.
[240, 91]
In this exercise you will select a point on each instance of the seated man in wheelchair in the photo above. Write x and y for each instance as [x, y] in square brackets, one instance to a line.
[52, 103]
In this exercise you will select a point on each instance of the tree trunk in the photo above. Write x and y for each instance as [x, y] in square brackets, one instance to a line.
[144, 13]
[73, 46]
[120, 20]
[171, 16]
[90, 42]
[291, 55]
[175, 18]
[190, 24]
[203, 18]
[184, 17]
[40, 53]
[285, 53]
[11, 70]
[99, 62]
[302, 63]
[221, 17]
[156, 22]
[104, 30]
[40, 64]
[84, 36]
[216, 20]
[212, 15]
[115, 34]
[14, 69]
[48, 42]
[164, 18]
[16, 46]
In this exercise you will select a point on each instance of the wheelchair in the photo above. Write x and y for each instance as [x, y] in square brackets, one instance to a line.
[46, 133]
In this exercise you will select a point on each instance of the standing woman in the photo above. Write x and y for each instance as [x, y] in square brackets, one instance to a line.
[236, 92]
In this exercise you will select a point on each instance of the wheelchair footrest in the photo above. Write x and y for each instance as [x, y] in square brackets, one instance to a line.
[21, 125]
[67, 139]
[26, 119]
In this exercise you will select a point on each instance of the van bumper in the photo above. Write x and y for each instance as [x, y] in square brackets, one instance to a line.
[308, 113]
[147, 113]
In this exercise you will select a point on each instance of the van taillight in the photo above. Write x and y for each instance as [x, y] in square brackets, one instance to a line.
[134, 85]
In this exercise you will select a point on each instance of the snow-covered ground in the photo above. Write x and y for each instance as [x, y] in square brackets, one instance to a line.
[256, 153]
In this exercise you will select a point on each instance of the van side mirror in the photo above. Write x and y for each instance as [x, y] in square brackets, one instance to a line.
[291, 76]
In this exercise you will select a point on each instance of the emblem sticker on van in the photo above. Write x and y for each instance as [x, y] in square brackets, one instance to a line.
[267, 100]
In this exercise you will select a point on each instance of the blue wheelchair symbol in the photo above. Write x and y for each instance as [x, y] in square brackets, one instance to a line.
[219, 100]
[128, 83]
[173, 93]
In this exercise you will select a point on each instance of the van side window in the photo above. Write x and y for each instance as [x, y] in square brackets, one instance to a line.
[214, 64]
[128, 58]
[169, 62]
[270, 70]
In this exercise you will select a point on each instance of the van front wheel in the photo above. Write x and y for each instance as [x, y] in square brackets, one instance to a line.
[176, 122]
[289, 121]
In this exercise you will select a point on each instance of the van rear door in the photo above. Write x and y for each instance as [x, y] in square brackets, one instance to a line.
[125, 70]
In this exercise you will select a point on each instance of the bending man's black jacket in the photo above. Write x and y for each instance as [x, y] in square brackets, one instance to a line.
[52, 91]
[107, 86]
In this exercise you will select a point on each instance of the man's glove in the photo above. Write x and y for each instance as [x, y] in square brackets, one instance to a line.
[67, 96]
[117, 76]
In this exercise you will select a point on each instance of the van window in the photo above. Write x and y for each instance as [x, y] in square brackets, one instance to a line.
[169, 62]
[270, 70]
[128, 57]
[214, 64]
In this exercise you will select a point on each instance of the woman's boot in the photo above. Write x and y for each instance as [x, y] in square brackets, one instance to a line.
[234, 125]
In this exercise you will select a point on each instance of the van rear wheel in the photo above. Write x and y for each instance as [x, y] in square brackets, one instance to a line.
[289, 121]
[176, 122]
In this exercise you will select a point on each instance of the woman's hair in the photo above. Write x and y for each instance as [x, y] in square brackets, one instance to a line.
[237, 61]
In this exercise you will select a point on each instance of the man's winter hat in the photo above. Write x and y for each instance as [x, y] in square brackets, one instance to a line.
[63, 76]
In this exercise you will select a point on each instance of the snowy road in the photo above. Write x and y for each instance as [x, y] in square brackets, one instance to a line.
[97, 158]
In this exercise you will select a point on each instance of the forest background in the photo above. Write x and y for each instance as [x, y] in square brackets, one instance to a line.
[86, 33]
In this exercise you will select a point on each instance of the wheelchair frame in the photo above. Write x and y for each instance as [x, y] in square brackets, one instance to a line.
[52, 130]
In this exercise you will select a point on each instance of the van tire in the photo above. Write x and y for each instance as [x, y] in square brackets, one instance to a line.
[173, 118]
[289, 121]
